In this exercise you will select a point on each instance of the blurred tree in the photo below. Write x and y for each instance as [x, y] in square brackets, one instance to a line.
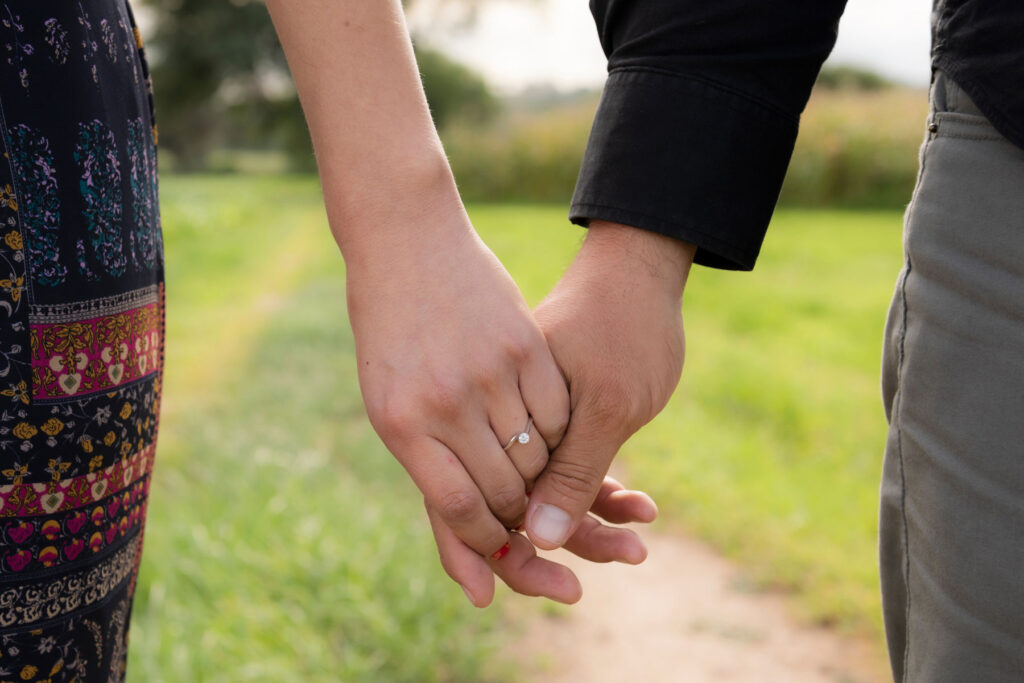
[851, 78]
[220, 78]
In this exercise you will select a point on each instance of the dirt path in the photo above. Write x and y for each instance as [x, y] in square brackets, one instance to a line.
[684, 616]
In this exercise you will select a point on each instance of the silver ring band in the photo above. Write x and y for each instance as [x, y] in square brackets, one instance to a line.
[522, 437]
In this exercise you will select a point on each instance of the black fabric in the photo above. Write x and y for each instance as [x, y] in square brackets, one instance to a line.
[699, 115]
[980, 44]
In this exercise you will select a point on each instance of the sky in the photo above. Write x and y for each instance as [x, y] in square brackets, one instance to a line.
[515, 44]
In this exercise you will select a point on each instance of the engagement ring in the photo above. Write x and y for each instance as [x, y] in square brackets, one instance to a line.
[522, 437]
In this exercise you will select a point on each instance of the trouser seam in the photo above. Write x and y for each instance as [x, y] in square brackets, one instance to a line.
[897, 409]
[903, 479]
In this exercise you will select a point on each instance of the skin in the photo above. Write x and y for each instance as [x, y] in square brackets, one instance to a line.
[451, 360]
[615, 327]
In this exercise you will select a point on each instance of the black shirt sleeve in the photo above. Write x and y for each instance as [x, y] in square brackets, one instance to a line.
[699, 115]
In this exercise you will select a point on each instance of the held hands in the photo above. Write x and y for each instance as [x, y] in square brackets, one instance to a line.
[451, 363]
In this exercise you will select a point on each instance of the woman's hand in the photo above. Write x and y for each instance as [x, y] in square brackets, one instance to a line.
[452, 365]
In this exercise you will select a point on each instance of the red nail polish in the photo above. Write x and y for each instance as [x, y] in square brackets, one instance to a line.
[502, 552]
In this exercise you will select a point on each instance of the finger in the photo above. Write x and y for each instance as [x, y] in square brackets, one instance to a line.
[493, 472]
[453, 494]
[600, 543]
[464, 565]
[509, 420]
[526, 573]
[618, 505]
[546, 396]
[572, 479]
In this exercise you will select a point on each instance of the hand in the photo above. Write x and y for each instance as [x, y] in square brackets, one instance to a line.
[526, 573]
[451, 364]
[615, 327]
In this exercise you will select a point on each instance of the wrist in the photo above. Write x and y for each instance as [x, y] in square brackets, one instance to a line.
[413, 208]
[614, 251]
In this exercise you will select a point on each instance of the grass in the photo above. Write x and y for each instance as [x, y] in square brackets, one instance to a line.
[283, 541]
[772, 446]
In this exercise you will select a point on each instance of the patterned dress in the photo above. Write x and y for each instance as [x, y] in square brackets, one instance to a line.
[81, 334]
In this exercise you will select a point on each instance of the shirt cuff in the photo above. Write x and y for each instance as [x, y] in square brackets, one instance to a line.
[687, 158]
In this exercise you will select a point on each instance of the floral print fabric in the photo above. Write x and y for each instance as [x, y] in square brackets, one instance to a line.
[81, 334]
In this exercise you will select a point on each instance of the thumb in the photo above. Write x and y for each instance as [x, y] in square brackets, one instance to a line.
[566, 489]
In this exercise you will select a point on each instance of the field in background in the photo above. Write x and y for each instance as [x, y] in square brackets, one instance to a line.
[856, 148]
[285, 544]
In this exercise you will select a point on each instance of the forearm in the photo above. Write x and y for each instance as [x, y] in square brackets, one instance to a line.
[380, 160]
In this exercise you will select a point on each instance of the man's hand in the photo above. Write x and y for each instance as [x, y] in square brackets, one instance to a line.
[614, 325]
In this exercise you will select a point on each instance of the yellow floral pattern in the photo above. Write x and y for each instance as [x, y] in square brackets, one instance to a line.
[8, 199]
[96, 355]
[13, 239]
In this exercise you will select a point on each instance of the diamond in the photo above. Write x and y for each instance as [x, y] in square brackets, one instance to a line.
[524, 438]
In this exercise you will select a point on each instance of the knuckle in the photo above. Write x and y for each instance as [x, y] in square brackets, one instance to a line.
[618, 408]
[574, 481]
[508, 503]
[447, 398]
[532, 465]
[490, 381]
[518, 349]
[391, 416]
[458, 507]
[559, 424]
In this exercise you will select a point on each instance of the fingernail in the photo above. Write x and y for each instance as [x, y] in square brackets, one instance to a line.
[469, 595]
[502, 552]
[550, 524]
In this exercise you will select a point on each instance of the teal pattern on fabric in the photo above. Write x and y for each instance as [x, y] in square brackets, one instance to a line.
[100, 184]
[145, 233]
[33, 162]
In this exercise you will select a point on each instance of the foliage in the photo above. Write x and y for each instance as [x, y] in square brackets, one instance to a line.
[526, 156]
[850, 78]
[201, 51]
[856, 149]
[221, 80]
[454, 92]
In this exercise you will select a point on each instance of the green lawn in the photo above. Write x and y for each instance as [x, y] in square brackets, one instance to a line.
[284, 543]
